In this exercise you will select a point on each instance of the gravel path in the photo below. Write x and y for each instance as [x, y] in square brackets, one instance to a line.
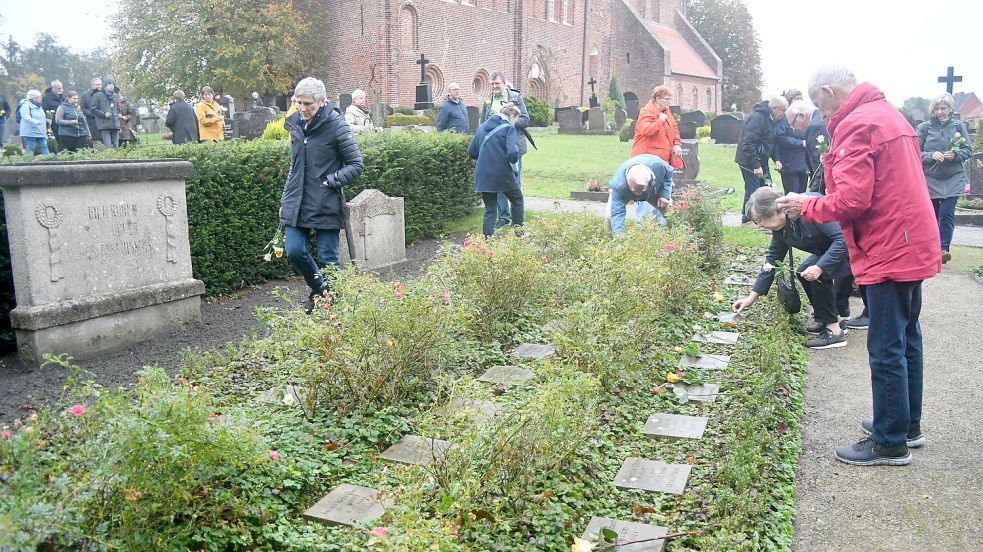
[936, 503]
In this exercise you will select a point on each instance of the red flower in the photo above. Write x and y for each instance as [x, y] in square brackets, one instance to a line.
[658, 390]
[274, 455]
[77, 410]
[671, 246]
[6, 435]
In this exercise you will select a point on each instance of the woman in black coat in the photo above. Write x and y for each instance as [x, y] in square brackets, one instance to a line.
[182, 121]
[497, 151]
[323, 159]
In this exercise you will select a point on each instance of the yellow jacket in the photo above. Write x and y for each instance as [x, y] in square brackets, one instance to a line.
[211, 120]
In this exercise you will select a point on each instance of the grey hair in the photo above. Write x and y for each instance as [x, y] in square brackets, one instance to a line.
[358, 93]
[510, 110]
[310, 87]
[54, 82]
[763, 203]
[792, 95]
[777, 101]
[944, 99]
[178, 94]
[32, 93]
[830, 75]
[452, 85]
[94, 79]
[496, 75]
[639, 173]
[800, 107]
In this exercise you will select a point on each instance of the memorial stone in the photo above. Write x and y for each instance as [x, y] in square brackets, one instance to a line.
[534, 351]
[416, 450]
[701, 393]
[620, 116]
[698, 117]
[675, 426]
[687, 130]
[720, 338]
[738, 280]
[251, 124]
[570, 121]
[632, 105]
[976, 175]
[151, 123]
[349, 505]
[505, 375]
[290, 396]
[628, 532]
[344, 101]
[481, 409]
[730, 317]
[691, 158]
[652, 476]
[474, 114]
[726, 128]
[705, 362]
[378, 230]
[595, 121]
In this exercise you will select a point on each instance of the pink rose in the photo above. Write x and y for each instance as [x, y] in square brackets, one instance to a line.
[658, 390]
[380, 532]
[6, 435]
[274, 455]
[671, 246]
[446, 298]
[77, 410]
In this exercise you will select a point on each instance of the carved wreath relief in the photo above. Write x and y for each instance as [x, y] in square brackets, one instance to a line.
[167, 206]
[50, 215]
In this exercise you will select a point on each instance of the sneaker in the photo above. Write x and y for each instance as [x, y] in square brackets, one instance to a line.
[858, 323]
[914, 439]
[815, 327]
[311, 303]
[826, 340]
[868, 453]
[946, 257]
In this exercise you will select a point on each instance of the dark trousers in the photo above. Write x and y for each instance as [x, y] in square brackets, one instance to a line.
[73, 143]
[3, 123]
[504, 216]
[945, 214]
[298, 253]
[515, 200]
[751, 183]
[894, 344]
[842, 290]
[795, 182]
[820, 294]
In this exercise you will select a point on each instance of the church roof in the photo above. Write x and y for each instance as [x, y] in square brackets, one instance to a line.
[683, 58]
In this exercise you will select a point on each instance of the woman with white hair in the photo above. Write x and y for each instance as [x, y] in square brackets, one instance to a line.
[33, 123]
[357, 114]
[945, 147]
[790, 141]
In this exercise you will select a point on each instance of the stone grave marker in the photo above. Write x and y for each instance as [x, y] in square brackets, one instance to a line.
[570, 121]
[632, 106]
[726, 128]
[473, 115]
[482, 409]
[251, 124]
[675, 426]
[595, 121]
[698, 117]
[676, 110]
[151, 123]
[687, 130]
[349, 505]
[738, 280]
[976, 175]
[720, 338]
[416, 450]
[505, 375]
[730, 317]
[344, 101]
[379, 230]
[706, 362]
[290, 396]
[691, 156]
[534, 351]
[628, 531]
[620, 116]
[701, 393]
[652, 476]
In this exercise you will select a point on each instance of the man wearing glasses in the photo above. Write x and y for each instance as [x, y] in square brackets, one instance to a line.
[502, 94]
[645, 179]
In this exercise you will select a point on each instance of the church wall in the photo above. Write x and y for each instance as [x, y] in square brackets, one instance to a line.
[646, 67]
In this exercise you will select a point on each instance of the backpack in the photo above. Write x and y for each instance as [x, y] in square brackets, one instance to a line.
[20, 105]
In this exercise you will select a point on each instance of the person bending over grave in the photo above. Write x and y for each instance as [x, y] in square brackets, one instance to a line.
[497, 173]
[323, 159]
[357, 114]
[756, 145]
[645, 179]
[827, 260]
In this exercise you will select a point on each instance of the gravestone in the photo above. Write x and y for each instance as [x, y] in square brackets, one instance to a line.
[379, 112]
[474, 114]
[100, 255]
[698, 117]
[687, 130]
[691, 157]
[570, 120]
[739, 115]
[976, 175]
[701, 393]
[251, 124]
[652, 476]
[417, 451]
[505, 375]
[726, 128]
[631, 105]
[595, 121]
[620, 116]
[349, 505]
[738, 280]
[378, 229]
[481, 409]
[151, 123]
[344, 100]
[424, 96]
[705, 362]
[676, 110]
[628, 531]
[290, 396]
[730, 317]
[534, 351]
[720, 338]
[675, 426]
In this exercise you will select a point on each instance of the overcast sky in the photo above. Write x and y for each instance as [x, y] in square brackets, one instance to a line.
[901, 46]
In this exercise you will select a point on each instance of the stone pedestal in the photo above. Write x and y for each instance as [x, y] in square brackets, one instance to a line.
[378, 228]
[100, 255]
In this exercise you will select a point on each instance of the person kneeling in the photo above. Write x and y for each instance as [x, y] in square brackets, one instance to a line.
[645, 179]
[828, 260]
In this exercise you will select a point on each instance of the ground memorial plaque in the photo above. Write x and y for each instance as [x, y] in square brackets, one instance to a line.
[628, 531]
[100, 255]
[534, 351]
[416, 450]
[378, 230]
[289, 396]
[738, 280]
[730, 317]
[720, 338]
[652, 476]
[706, 362]
[701, 393]
[349, 505]
[505, 375]
[675, 426]
[480, 409]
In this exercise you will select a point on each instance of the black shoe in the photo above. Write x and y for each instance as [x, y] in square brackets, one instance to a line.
[914, 439]
[946, 257]
[826, 340]
[868, 453]
[815, 327]
[858, 323]
[312, 301]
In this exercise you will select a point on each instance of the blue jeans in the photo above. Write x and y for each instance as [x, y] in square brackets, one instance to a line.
[3, 123]
[644, 211]
[751, 183]
[945, 214]
[295, 242]
[504, 216]
[491, 199]
[110, 137]
[894, 344]
[32, 144]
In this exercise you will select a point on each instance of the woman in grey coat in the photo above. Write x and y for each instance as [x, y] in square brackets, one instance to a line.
[945, 147]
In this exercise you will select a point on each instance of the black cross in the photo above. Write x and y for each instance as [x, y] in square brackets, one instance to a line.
[949, 79]
[422, 62]
[592, 82]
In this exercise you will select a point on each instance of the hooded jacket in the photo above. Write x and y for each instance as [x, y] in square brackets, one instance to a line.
[494, 172]
[654, 135]
[876, 191]
[757, 138]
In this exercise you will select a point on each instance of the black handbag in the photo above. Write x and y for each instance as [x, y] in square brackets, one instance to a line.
[788, 294]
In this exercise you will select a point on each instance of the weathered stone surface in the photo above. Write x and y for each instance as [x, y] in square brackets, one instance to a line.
[652, 476]
[706, 362]
[721, 338]
[570, 120]
[687, 130]
[675, 426]
[701, 393]
[534, 351]
[349, 505]
[739, 280]
[726, 128]
[416, 450]
[251, 124]
[691, 156]
[628, 531]
[286, 395]
[698, 117]
[505, 375]
[595, 121]
[378, 228]
[485, 410]
[474, 116]
[730, 317]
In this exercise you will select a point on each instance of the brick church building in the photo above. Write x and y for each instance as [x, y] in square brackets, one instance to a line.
[549, 49]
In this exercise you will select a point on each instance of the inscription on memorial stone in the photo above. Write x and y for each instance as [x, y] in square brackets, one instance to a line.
[720, 338]
[707, 362]
[416, 450]
[675, 426]
[349, 505]
[652, 476]
[628, 532]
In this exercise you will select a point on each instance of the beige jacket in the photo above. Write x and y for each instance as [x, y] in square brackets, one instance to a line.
[358, 120]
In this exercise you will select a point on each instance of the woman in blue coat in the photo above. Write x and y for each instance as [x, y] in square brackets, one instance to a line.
[497, 152]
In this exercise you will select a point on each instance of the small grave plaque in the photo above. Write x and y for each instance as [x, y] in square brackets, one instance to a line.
[534, 351]
[505, 375]
[674, 426]
[629, 532]
[349, 505]
[738, 280]
[702, 393]
[731, 317]
[652, 476]
[721, 338]
[289, 395]
[707, 362]
[481, 409]
[416, 450]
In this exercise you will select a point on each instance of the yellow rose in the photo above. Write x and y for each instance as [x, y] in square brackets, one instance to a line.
[580, 545]
[671, 377]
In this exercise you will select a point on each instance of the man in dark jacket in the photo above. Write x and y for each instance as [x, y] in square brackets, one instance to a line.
[453, 115]
[501, 95]
[4, 114]
[323, 159]
[182, 121]
[106, 113]
[53, 97]
[85, 100]
[756, 145]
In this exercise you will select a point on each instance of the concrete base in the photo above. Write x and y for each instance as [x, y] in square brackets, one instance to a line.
[590, 196]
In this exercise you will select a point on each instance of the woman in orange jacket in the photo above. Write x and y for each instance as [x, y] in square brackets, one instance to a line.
[656, 132]
[211, 117]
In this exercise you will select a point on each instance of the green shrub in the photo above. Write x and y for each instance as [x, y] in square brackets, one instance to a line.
[10, 150]
[540, 113]
[626, 134]
[431, 115]
[614, 91]
[276, 130]
[703, 132]
[404, 111]
[698, 210]
[399, 119]
[610, 107]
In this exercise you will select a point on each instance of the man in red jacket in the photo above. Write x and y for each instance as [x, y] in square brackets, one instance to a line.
[876, 190]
